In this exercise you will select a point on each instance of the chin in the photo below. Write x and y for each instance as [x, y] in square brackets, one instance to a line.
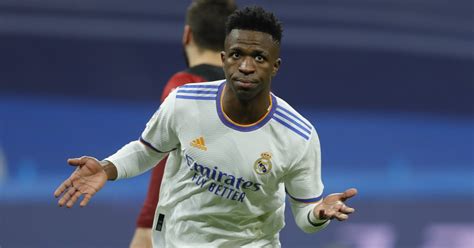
[245, 95]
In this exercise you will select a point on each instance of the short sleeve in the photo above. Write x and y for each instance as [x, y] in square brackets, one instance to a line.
[160, 131]
[303, 181]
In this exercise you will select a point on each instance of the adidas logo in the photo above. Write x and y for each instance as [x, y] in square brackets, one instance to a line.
[199, 143]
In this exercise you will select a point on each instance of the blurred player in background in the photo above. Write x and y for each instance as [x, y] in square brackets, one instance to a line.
[203, 40]
[234, 150]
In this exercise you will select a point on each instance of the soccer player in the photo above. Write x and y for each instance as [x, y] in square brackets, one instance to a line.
[203, 40]
[234, 150]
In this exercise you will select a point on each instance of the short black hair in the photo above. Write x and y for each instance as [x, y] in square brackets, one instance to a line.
[255, 18]
[207, 21]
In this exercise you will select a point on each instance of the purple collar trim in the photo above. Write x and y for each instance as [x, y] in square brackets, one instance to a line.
[238, 127]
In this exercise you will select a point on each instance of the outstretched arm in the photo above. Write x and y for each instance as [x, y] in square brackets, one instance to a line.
[89, 177]
[132, 159]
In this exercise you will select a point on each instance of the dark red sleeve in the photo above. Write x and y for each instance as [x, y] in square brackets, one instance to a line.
[179, 79]
[147, 213]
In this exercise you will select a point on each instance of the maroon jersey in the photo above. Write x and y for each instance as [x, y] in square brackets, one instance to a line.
[195, 74]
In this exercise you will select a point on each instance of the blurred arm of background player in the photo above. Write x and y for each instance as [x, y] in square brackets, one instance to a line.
[203, 40]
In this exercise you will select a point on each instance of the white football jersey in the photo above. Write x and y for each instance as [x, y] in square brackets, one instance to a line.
[224, 183]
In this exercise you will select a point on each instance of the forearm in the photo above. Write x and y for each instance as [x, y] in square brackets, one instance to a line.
[304, 217]
[131, 160]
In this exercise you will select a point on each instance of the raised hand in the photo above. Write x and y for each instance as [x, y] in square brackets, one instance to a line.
[333, 206]
[86, 180]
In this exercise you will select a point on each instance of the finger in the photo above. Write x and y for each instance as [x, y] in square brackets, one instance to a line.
[327, 214]
[346, 210]
[73, 199]
[348, 194]
[340, 216]
[76, 161]
[66, 184]
[85, 200]
[70, 191]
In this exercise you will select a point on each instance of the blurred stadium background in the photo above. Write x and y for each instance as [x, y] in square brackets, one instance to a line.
[388, 84]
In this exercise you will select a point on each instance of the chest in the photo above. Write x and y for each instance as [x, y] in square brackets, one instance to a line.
[247, 160]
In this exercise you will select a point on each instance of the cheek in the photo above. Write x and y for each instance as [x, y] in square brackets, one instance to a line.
[226, 64]
[268, 70]
[231, 66]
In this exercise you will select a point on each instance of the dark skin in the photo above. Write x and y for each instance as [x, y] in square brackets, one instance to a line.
[250, 61]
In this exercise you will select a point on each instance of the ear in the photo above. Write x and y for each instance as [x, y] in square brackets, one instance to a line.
[187, 35]
[222, 57]
[276, 66]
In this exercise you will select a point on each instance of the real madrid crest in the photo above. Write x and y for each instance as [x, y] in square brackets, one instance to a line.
[263, 165]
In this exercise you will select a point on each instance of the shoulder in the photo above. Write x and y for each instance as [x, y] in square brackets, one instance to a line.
[191, 102]
[199, 91]
[291, 120]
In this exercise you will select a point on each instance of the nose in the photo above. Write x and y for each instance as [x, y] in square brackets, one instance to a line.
[247, 66]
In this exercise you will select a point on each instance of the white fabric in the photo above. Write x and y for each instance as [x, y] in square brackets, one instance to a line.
[134, 159]
[301, 212]
[225, 186]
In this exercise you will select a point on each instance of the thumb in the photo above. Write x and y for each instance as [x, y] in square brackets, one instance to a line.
[77, 161]
[348, 194]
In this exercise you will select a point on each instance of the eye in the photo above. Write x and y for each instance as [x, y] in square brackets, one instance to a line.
[235, 55]
[259, 58]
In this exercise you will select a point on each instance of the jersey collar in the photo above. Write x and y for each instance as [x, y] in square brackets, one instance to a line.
[240, 127]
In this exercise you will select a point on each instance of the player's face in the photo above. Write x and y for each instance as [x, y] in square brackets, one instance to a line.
[250, 60]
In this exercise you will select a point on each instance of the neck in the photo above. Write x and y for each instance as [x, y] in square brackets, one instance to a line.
[202, 56]
[245, 112]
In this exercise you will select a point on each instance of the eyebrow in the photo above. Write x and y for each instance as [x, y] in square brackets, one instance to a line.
[253, 52]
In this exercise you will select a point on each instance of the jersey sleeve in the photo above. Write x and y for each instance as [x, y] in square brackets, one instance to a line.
[160, 131]
[158, 138]
[303, 182]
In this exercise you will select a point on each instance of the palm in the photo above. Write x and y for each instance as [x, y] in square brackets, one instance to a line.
[87, 180]
[333, 206]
